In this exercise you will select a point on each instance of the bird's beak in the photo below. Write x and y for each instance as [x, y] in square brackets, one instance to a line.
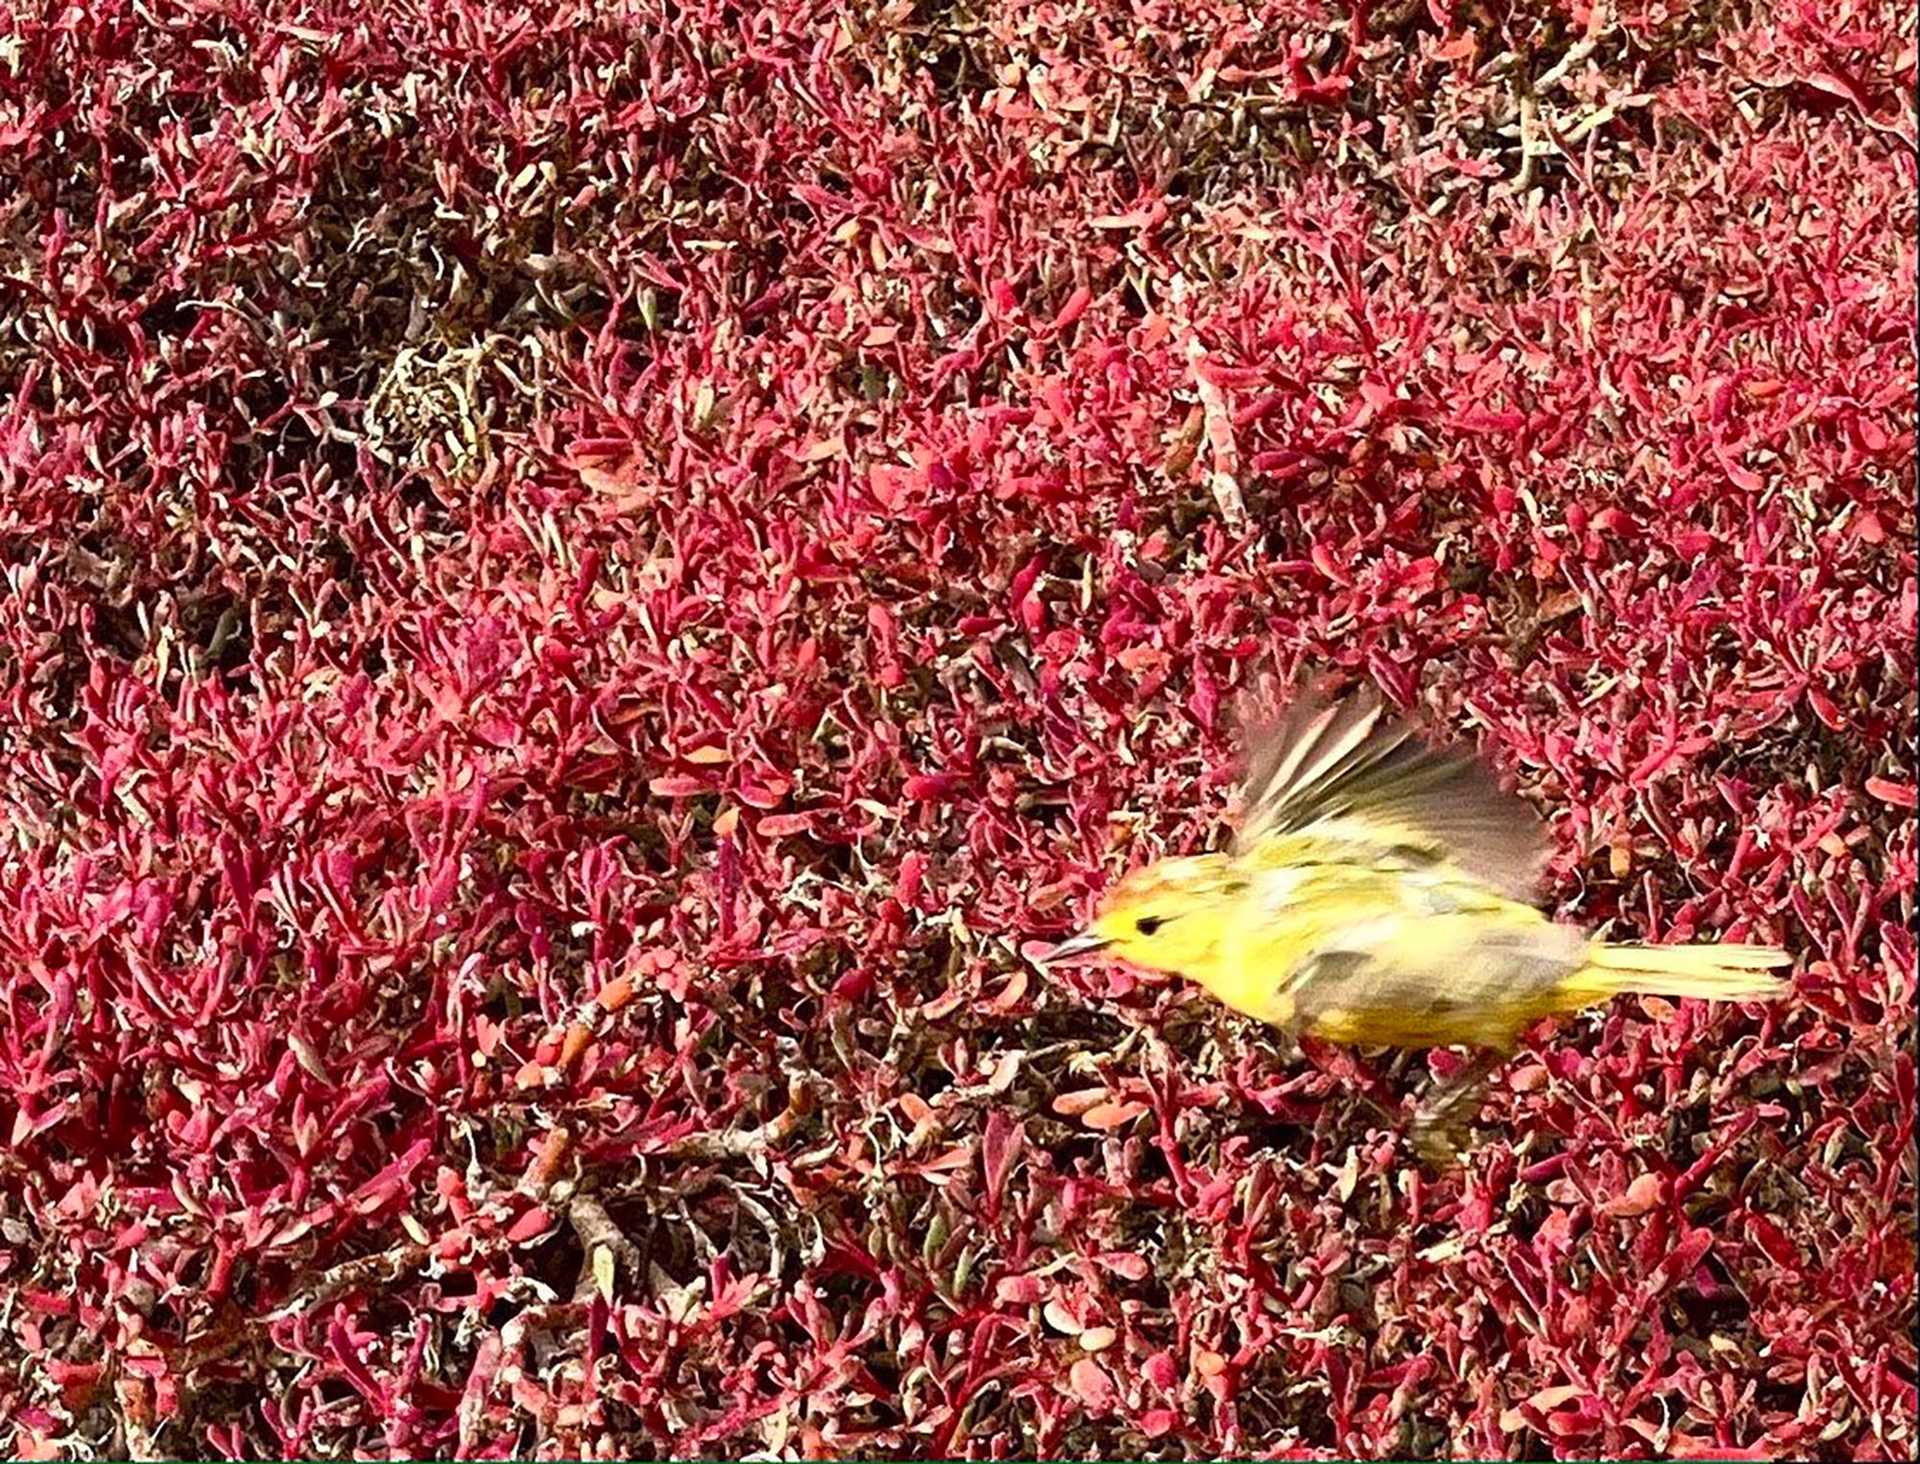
[1084, 944]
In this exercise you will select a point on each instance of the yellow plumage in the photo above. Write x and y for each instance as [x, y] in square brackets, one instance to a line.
[1380, 893]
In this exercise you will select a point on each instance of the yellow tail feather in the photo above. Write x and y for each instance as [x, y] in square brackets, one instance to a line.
[1709, 972]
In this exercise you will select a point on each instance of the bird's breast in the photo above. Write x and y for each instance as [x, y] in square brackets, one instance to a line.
[1256, 968]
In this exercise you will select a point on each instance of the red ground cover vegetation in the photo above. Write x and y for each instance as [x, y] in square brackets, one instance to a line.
[582, 580]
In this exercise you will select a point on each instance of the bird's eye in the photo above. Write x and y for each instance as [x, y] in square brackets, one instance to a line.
[1149, 924]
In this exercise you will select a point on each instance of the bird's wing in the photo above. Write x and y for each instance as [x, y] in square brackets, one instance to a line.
[1435, 980]
[1323, 763]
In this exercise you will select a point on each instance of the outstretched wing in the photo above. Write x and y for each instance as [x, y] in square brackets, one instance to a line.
[1322, 763]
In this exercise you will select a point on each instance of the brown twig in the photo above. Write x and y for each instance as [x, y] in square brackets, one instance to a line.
[742, 1142]
[600, 1233]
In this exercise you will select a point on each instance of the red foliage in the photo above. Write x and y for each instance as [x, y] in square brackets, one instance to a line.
[580, 580]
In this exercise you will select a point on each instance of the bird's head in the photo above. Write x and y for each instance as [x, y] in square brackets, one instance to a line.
[1165, 917]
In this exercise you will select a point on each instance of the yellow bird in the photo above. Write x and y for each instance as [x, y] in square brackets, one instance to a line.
[1380, 892]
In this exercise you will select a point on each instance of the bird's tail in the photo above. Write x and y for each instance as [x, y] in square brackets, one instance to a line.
[1709, 972]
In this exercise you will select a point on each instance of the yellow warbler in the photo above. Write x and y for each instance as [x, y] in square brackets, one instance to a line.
[1380, 892]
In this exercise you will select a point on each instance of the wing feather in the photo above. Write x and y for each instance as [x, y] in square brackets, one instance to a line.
[1322, 764]
[1431, 983]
